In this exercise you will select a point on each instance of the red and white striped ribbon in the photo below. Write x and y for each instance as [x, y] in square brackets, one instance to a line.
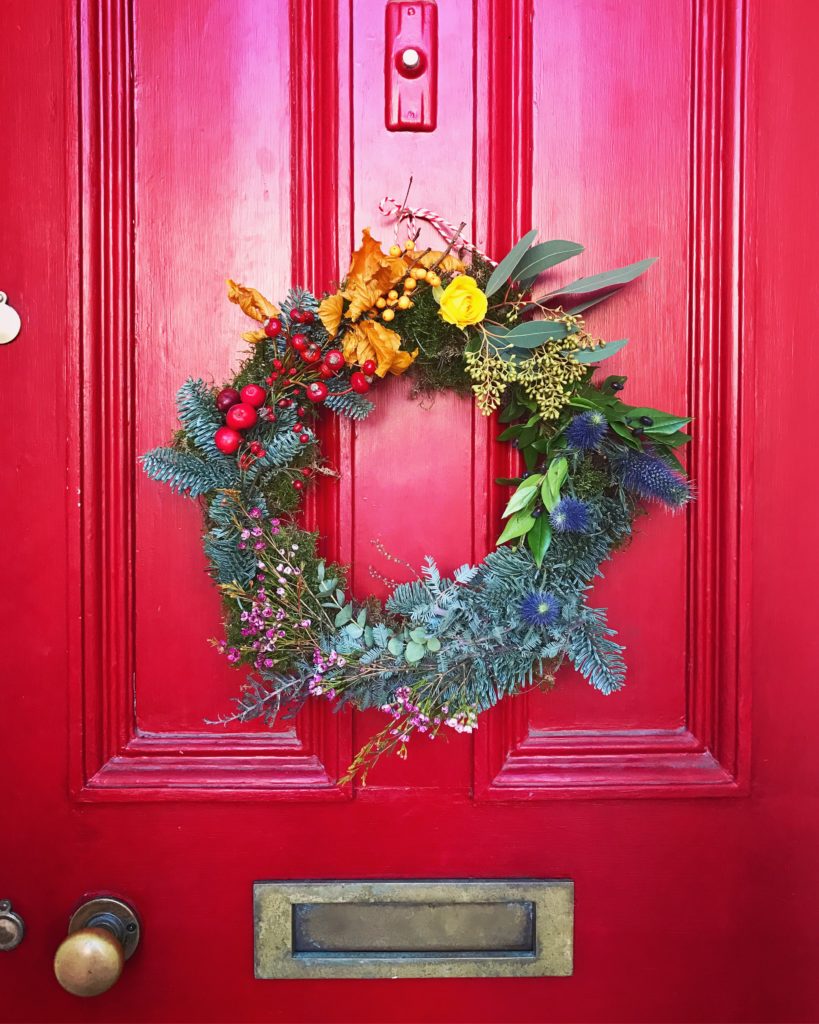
[390, 207]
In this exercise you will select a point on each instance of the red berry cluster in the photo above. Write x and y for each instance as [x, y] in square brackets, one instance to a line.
[241, 413]
[302, 369]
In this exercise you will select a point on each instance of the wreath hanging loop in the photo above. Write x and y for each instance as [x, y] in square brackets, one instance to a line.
[440, 650]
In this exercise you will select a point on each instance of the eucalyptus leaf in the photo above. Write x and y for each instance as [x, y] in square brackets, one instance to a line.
[418, 635]
[581, 307]
[514, 354]
[608, 279]
[433, 644]
[354, 630]
[597, 355]
[344, 615]
[414, 652]
[535, 332]
[542, 257]
[395, 646]
[506, 268]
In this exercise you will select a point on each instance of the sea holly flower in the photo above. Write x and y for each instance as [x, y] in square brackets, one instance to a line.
[540, 609]
[586, 431]
[570, 515]
[463, 303]
[652, 479]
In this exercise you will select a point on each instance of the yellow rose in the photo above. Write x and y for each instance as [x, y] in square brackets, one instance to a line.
[463, 303]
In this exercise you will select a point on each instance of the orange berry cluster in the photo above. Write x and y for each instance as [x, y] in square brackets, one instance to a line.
[393, 300]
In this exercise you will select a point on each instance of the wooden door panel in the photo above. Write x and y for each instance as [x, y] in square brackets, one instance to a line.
[633, 158]
[210, 203]
[681, 725]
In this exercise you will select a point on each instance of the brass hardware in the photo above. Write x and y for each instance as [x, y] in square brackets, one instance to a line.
[10, 322]
[102, 934]
[12, 927]
[413, 929]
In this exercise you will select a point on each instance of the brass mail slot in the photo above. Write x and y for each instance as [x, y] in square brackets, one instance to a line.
[413, 929]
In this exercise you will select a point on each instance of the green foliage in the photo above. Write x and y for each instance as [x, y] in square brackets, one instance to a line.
[200, 418]
[229, 562]
[189, 474]
[442, 648]
[594, 654]
[439, 363]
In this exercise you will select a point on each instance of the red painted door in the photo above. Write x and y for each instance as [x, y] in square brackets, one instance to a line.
[154, 149]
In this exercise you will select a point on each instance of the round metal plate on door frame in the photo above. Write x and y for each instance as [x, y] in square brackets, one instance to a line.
[10, 322]
[108, 906]
[12, 928]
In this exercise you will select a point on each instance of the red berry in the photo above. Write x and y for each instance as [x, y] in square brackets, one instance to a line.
[273, 327]
[227, 440]
[311, 354]
[334, 359]
[226, 398]
[305, 471]
[297, 428]
[368, 367]
[317, 391]
[298, 484]
[256, 448]
[307, 316]
[253, 395]
[277, 363]
[359, 383]
[299, 342]
[292, 371]
[304, 438]
[285, 403]
[326, 371]
[242, 416]
[301, 411]
[295, 315]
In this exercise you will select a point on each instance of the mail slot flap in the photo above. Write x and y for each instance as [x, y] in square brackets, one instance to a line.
[457, 928]
[360, 929]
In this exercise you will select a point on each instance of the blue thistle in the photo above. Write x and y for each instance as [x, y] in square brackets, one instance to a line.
[570, 515]
[652, 479]
[540, 609]
[586, 431]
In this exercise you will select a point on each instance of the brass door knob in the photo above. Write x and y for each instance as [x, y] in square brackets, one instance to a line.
[102, 935]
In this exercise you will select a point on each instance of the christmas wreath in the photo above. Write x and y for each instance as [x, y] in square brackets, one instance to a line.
[440, 650]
